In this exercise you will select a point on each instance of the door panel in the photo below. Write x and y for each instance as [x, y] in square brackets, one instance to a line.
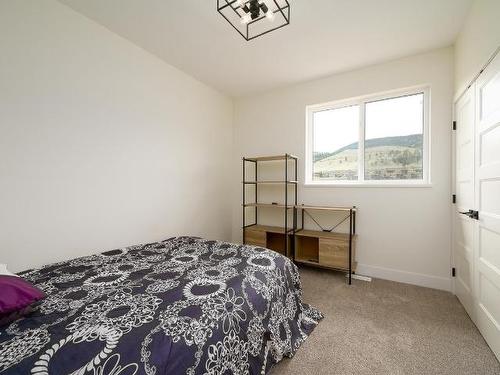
[463, 246]
[488, 249]
[489, 92]
[489, 144]
[490, 197]
[489, 298]
[487, 199]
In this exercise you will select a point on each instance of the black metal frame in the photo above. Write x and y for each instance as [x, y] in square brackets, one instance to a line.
[287, 232]
[352, 230]
[303, 210]
[284, 11]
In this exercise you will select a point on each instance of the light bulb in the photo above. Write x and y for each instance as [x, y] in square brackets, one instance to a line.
[270, 15]
[246, 18]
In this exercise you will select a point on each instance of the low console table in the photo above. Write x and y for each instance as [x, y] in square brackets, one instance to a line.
[325, 248]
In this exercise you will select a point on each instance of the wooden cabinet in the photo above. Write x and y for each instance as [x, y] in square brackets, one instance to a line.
[334, 252]
[255, 237]
[325, 249]
[269, 237]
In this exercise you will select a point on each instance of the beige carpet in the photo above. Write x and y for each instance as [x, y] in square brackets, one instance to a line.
[386, 328]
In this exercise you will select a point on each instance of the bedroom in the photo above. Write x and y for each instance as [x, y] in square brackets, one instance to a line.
[125, 122]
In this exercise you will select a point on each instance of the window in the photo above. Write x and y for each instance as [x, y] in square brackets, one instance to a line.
[379, 140]
[335, 156]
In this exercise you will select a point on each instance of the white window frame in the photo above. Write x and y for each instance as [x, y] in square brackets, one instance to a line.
[361, 102]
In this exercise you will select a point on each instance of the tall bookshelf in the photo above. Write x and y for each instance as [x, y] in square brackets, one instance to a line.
[278, 237]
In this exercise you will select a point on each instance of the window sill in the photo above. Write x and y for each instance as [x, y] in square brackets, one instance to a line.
[368, 185]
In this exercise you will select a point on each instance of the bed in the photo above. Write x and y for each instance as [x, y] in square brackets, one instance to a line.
[181, 306]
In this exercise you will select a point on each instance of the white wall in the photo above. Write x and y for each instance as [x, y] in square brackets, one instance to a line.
[404, 233]
[477, 41]
[102, 145]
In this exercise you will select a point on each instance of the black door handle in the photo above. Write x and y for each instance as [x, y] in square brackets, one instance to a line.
[472, 214]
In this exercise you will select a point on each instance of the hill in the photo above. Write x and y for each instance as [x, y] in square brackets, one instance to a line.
[412, 141]
[385, 159]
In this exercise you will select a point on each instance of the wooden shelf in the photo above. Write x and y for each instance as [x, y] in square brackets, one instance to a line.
[321, 234]
[267, 205]
[270, 182]
[325, 208]
[279, 205]
[317, 264]
[270, 237]
[267, 228]
[272, 158]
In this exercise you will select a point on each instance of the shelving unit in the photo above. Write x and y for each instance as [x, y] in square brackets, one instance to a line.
[277, 205]
[319, 248]
[325, 248]
[278, 238]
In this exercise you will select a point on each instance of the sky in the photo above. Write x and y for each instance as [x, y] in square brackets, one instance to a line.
[334, 129]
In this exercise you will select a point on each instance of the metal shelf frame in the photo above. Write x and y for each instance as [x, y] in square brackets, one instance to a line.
[287, 184]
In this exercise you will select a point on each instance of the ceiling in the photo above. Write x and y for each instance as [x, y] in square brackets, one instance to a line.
[324, 37]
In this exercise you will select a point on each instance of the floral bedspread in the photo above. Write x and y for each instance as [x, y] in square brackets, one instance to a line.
[180, 306]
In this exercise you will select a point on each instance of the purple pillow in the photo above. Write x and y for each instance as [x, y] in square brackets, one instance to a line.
[16, 294]
[13, 316]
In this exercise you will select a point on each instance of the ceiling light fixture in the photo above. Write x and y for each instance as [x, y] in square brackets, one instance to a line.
[253, 18]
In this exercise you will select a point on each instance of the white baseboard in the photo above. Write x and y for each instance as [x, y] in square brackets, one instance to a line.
[356, 276]
[419, 279]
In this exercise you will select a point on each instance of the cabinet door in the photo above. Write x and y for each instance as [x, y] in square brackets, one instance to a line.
[256, 238]
[334, 252]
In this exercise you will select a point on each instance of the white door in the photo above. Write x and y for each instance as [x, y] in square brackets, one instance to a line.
[487, 201]
[464, 226]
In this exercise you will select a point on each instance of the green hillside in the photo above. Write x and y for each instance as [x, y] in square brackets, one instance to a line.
[412, 141]
[385, 158]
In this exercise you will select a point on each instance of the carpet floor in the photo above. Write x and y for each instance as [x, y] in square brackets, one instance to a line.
[386, 328]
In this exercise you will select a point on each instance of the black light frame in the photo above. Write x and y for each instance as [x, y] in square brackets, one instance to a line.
[284, 10]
